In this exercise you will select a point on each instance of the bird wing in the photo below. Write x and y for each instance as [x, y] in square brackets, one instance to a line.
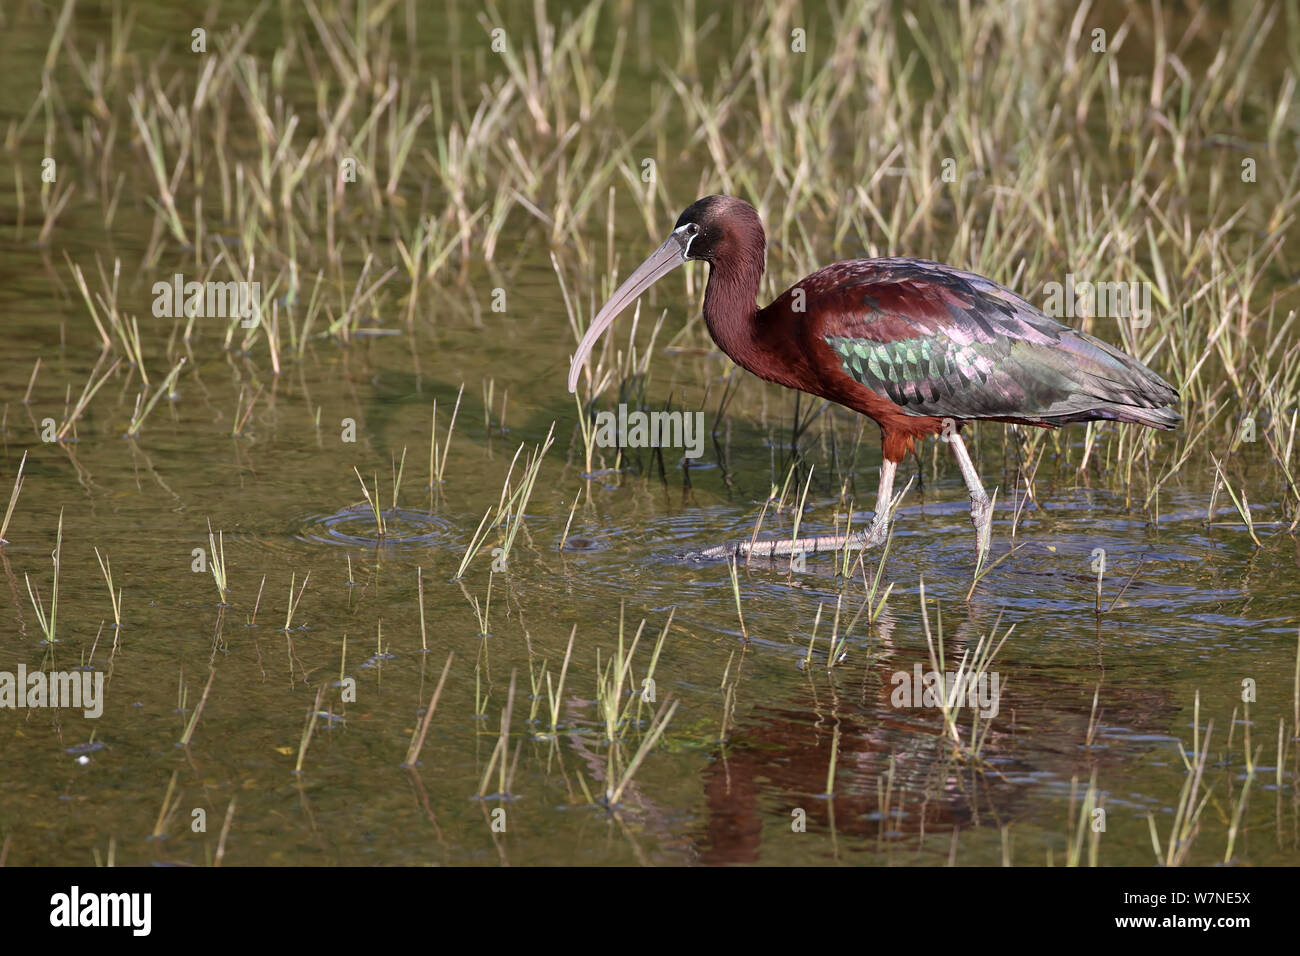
[940, 342]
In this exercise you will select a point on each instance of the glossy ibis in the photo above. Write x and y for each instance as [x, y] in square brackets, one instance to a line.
[918, 347]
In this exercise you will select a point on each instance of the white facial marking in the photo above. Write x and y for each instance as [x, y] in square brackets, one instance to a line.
[690, 237]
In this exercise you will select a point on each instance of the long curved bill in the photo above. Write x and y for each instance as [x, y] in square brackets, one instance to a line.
[662, 261]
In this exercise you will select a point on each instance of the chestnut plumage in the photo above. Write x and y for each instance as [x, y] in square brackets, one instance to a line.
[919, 347]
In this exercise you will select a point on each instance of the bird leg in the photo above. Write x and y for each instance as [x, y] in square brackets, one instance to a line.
[885, 504]
[873, 536]
[981, 509]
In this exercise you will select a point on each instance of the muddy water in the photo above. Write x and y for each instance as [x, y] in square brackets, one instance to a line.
[741, 772]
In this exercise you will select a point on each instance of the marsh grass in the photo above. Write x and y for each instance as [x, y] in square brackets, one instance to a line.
[1239, 502]
[555, 691]
[1131, 578]
[876, 608]
[728, 689]
[1239, 805]
[508, 514]
[225, 832]
[619, 702]
[13, 500]
[417, 737]
[971, 669]
[217, 563]
[812, 638]
[198, 710]
[658, 724]
[139, 415]
[798, 514]
[398, 469]
[616, 713]
[257, 602]
[239, 422]
[834, 757]
[499, 760]
[1192, 799]
[1081, 826]
[483, 609]
[839, 640]
[735, 592]
[375, 510]
[419, 581]
[308, 730]
[170, 806]
[294, 600]
[115, 598]
[92, 386]
[982, 569]
[438, 452]
[48, 622]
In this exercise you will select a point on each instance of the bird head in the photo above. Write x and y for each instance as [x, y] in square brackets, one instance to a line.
[708, 229]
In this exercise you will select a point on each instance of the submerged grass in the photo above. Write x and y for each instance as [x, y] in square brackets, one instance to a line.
[13, 500]
[48, 621]
[508, 515]
[417, 738]
[217, 563]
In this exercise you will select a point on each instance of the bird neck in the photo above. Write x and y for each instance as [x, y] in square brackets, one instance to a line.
[729, 304]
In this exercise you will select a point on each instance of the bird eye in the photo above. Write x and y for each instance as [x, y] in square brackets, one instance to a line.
[693, 229]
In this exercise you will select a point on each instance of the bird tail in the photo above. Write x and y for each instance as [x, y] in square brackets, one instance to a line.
[1117, 386]
[1165, 417]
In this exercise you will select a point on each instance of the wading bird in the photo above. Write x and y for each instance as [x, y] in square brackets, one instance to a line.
[918, 347]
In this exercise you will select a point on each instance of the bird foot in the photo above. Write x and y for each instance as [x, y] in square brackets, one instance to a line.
[873, 537]
[858, 541]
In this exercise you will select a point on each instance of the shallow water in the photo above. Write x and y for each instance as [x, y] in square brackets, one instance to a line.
[1191, 609]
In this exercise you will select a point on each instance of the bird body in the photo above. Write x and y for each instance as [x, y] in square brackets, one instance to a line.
[919, 347]
[913, 344]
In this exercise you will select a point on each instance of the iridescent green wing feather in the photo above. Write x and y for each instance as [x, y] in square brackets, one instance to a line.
[940, 342]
